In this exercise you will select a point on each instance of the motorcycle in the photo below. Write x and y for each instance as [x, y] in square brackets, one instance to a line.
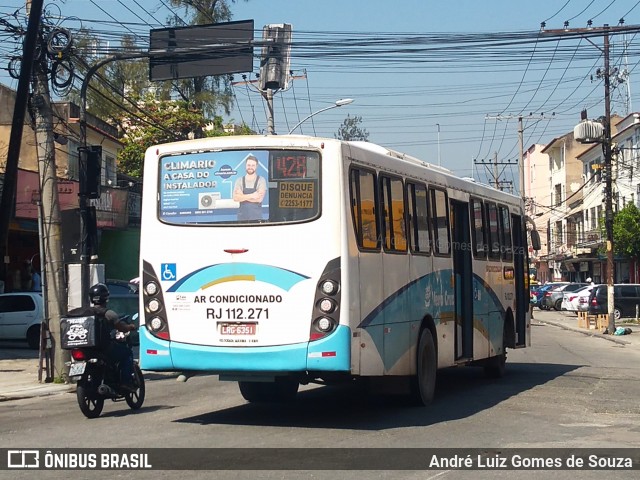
[98, 379]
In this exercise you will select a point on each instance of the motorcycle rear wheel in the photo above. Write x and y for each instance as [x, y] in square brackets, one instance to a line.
[89, 401]
[136, 399]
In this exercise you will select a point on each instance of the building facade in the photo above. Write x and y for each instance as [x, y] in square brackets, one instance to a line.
[116, 209]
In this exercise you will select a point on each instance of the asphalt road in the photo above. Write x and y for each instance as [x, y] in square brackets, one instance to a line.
[566, 391]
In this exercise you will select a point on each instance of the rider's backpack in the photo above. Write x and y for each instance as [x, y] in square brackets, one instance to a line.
[84, 327]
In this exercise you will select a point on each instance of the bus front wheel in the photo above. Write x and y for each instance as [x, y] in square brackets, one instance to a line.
[284, 389]
[424, 383]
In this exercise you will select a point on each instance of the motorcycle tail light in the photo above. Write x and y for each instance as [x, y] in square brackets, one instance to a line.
[77, 354]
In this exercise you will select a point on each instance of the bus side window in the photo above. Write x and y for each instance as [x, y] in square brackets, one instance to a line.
[363, 201]
[477, 229]
[494, 236]
[505, 234]
[440, 219]
[418, 206]
[393, 214]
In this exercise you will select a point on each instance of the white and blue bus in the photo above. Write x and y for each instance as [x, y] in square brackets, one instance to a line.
[277, 261]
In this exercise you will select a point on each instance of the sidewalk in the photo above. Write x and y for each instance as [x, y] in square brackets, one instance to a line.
[19, 375]
[19, 365]
[569, 321]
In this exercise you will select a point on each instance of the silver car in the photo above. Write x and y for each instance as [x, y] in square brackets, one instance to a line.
[553, 298]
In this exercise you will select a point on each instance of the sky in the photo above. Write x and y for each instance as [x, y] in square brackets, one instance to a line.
[441, 81]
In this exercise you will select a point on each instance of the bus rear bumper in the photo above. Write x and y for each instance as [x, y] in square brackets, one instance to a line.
[332, 353]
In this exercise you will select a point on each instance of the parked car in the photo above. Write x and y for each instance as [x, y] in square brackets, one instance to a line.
[541, 290]
[625, 298]
[21, 314]
[553, 298]
[578, 300]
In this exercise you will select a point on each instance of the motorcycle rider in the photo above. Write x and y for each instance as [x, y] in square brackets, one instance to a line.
[116, 351]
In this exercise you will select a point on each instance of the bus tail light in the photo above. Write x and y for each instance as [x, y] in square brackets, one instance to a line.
[153, 304]
[323, 326]
[326, 311]
[326, 305]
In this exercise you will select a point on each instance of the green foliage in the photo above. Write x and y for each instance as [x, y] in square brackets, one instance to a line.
[164, 121]
[117, 85]
[148, 112]
[626, 231]
[351, 129]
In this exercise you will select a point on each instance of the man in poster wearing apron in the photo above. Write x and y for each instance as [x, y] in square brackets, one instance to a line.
[249, 191]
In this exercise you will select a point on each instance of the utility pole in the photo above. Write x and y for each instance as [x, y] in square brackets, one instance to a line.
[268, 95]
[274, 65]
[520, 143]
[54, 282]
[604, 31]
[608, 205]
[497, 183]
[521, 157]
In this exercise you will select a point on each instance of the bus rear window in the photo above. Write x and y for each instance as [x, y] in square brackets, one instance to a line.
[239, 187]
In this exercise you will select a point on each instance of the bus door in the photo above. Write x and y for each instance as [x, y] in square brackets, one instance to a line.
[519, 259]
[463, 279]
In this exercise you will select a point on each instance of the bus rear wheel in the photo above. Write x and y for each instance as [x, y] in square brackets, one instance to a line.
[284, 389]
[423, 385]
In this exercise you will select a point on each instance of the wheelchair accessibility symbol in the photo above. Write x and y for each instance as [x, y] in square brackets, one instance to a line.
[168, 271]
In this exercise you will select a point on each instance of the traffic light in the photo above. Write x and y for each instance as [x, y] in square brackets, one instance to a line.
[90, 165]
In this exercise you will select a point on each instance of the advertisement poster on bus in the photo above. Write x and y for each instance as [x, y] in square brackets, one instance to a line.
[215, 187]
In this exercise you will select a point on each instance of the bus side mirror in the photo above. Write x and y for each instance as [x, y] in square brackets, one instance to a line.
[535, 239]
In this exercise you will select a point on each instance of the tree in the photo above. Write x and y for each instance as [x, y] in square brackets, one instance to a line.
[155, 112]
[626, 231]
[122, 83]
[163, 121]
[351, 129]
[117, 85]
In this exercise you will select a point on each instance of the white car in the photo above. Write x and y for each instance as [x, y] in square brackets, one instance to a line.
[21, 314]
[577, 301]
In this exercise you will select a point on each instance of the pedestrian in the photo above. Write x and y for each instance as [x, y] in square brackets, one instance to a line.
[25, 276]
[36, 281]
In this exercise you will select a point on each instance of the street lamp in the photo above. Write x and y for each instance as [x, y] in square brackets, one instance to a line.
[338, 103]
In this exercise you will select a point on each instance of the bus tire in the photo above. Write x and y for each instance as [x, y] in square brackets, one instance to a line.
[496, 366]
[423, 385]
[284, 389]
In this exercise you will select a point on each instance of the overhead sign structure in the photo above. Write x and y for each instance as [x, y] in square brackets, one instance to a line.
[202, 50]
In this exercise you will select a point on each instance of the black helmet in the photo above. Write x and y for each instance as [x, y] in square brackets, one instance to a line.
[99, 294]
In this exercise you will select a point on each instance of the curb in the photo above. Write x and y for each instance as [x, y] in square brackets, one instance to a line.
[589, 333]
[39, 390]
[33, 389]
